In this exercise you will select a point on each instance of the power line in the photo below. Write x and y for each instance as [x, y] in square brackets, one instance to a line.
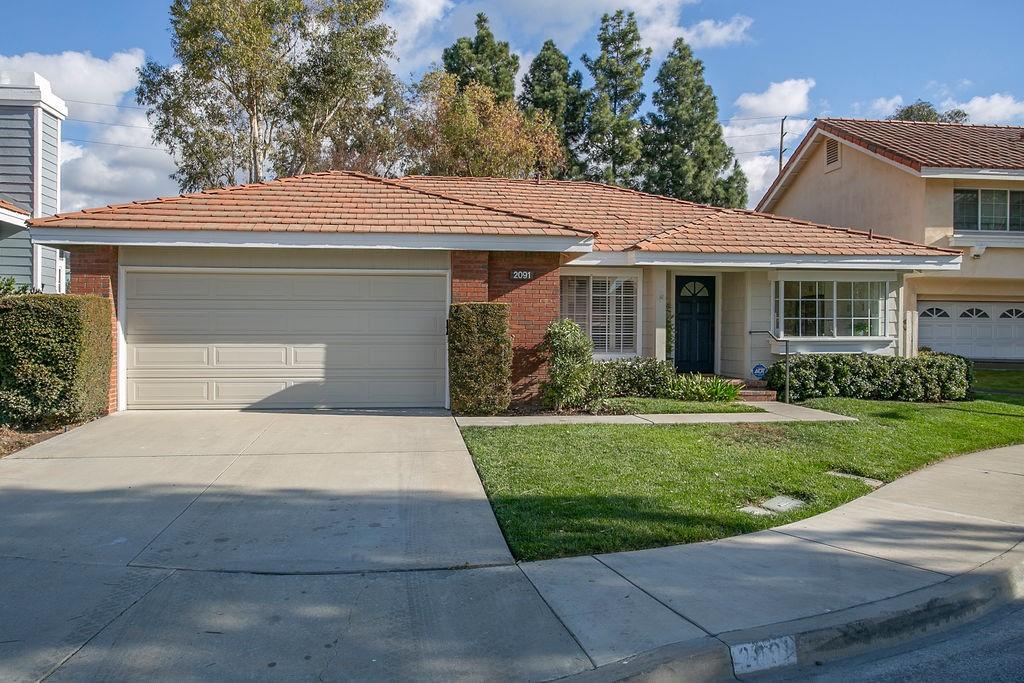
[113, 144]
[105, 104]
[110, 123]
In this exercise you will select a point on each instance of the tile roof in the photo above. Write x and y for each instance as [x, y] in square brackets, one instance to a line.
[14, 208]
[332, 202]
[628, 220]
[919, 144]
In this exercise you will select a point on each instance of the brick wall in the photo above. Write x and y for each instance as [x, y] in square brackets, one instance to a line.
[469, 276]
[534, 305]
[94, 271]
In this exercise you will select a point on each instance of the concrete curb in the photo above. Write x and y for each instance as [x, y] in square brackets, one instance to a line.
[828, 637]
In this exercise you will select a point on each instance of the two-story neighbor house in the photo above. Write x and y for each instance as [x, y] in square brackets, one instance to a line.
[946, 185]
[30, 121]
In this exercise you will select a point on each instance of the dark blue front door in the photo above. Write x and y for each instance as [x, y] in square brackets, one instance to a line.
[695, 324]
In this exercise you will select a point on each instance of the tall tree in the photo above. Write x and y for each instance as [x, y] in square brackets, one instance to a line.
[552, 87]
[469, 132]
[613, 140]
[484, 60]
[684, 153]
[926, 111]
[264, 85]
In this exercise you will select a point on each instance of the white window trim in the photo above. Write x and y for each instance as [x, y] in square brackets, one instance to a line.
[636, 273]
[1016, 235]
[776, 295]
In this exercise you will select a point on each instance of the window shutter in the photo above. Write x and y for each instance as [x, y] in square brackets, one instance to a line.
[831, 152]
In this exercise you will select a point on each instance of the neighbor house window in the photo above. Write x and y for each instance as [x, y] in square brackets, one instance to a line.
[988, 210]
[605, 307]
[830, 308]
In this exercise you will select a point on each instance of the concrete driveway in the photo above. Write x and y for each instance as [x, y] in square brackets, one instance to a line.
[247, 545]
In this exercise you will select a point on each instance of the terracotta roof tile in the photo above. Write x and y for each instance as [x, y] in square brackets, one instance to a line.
[627, 220]
[334, 201]
[920, 144]
[13, 208]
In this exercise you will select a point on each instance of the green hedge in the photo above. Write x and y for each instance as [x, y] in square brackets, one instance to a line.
[55, 355]
[571, 364]
[479, 358]
[927, 377]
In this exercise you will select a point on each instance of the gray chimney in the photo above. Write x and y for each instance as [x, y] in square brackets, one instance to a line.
[30, 122]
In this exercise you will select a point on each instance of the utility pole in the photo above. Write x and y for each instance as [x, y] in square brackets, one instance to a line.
[782, 136]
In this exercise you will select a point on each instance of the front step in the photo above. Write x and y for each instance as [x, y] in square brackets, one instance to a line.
[755, 395]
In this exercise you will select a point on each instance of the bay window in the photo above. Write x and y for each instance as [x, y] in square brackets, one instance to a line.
[830, 308]
[605, 306]
[999, 210]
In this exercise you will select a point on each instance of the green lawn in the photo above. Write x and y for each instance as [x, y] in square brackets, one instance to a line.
[998, 380]
[563, 490]
[633, 406]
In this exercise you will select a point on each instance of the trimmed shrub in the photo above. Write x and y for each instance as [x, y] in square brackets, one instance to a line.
[479, 358]
[705, 388]
[928, 377]
[55, 357]
[650, 378]
[571, 364]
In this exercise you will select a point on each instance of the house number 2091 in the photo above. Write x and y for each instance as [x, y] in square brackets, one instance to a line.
[521, 275]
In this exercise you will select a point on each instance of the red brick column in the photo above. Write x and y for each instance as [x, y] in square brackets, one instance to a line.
[534, 305]
[94, 271]
[469, 276]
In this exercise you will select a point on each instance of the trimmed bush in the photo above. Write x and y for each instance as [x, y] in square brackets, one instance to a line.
[571, 364]
[650, 378]
[55, 356]
[928, 377]
[479, 358]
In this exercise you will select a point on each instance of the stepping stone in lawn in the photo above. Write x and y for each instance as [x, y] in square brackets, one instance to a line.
[873, 483]
[756, 511]
[782, 504]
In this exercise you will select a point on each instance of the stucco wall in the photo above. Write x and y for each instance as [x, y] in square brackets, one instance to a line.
[734, 325]
[863, 193]
[655, 292]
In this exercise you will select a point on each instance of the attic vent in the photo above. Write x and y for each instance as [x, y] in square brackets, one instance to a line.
[831, 154]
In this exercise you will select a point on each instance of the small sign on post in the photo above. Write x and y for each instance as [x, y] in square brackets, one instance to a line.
[759, 371]
[521, 275]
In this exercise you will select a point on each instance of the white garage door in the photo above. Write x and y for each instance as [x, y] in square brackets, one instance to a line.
[284, 340]
[975, 329]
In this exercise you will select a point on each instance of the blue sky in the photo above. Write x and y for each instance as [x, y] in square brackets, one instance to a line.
[763, 59]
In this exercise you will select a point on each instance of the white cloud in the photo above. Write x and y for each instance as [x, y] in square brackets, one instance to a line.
[780, 99]
[884, 106]
[425, 27]
[996, 108]
[121, 164]
[753, 132]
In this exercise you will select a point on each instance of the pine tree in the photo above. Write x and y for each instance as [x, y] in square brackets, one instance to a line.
[483, 60]
[549, 86]
[684, 154]
[613, 129]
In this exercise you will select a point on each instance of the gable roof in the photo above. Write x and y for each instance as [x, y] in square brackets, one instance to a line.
[920, 144]
[917, 146]
[629, 220]
[329, 202]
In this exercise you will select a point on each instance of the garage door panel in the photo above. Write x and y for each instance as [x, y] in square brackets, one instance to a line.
[992, 337]
[285, 340]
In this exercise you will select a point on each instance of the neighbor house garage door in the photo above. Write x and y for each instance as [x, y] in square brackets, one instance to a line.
[205, 339]
[976, 329]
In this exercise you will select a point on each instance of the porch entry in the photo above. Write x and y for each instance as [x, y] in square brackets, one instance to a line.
[695, 324]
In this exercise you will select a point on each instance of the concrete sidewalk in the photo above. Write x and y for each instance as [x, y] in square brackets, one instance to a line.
[922, 554]
[773, 411]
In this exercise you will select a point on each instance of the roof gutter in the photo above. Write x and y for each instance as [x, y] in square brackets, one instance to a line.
[265, 239]
[939, 262]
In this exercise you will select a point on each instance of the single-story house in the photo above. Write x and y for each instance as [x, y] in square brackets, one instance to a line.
[955, 186]
[332, 289]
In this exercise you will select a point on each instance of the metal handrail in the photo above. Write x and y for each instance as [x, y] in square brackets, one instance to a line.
[784, 341]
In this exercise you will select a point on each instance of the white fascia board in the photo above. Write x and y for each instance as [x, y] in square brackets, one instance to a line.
[972, 173]
[603, 258]
[13, 218]
[798, 261]
[62, 237]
